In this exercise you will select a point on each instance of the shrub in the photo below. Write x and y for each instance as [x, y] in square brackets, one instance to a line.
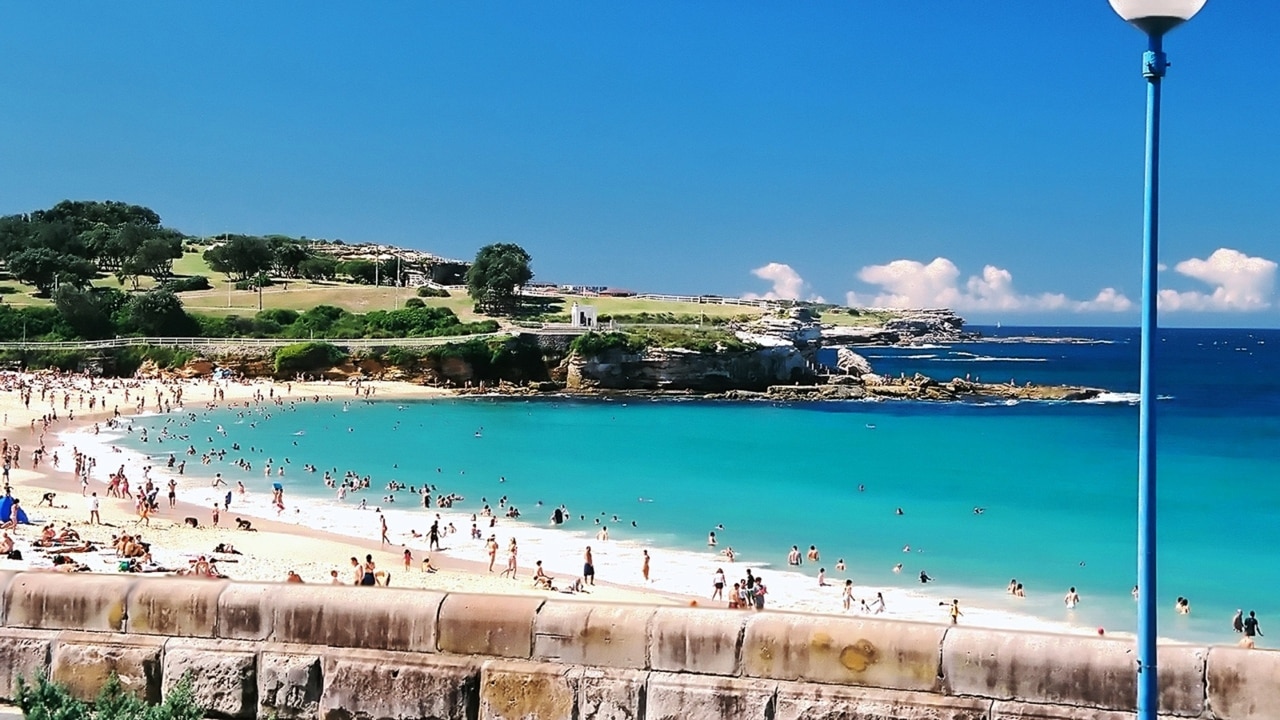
[47, 700]
[254, 283]
[129, 359]
[308, 356]
[414, 303]
[594, 343]
[186, 284]
[428, 291]
[280, 316]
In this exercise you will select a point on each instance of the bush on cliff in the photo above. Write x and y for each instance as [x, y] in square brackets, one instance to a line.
[129, 359]
[594, 343]
[306, 357]
[47, 700]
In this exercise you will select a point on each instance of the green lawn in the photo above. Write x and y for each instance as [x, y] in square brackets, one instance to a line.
[301, 295]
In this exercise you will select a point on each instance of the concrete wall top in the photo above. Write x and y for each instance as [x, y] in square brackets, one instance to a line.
[749, 648]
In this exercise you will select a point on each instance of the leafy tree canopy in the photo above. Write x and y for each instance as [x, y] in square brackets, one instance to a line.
[497, 276]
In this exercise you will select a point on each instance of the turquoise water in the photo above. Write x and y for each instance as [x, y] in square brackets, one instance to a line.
[1057, 480]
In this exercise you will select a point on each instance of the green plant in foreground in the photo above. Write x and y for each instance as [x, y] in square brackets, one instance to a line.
[47, 700]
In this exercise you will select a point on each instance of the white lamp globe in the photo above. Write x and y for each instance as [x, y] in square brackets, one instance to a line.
[1156, 17]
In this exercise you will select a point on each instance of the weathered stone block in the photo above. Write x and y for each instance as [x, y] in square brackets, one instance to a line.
[60, 601]
[175, 606]
[359, 685]
[696, 641]
[1244, 684]
[608, 694]
[487, 625]
[584, 633]
[798, 701]
[370, 618]
[289, 686]
[1050, 669]
[526, 691]
[6, 576]
[1005, 710]
[23, 654]
[84, 661]
[849, 651]
[245, 611]
[223, 675]
[704, 697]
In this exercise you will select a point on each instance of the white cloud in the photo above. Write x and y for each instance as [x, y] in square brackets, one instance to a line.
[787, 284]
[911, 284]
[1239, 282]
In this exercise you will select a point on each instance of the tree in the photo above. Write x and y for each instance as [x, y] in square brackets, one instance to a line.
[89, 312]
[360, 271]
[240, 257]
[45, 268]
[156, 312]
[497, 276]
[148, 252]
[287, 255]
[318, 267]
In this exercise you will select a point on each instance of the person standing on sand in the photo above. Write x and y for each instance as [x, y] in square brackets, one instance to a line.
[717, 585]
[588, 568]
[367, 577]
[760, 592]
[1237, 621]
[94, 518]
[511, 561]
[408, 558]
[847, 595]
[382, 519]
[357, 572]
[954, 611]
[644, 567]
[215, 515]
[491, 546]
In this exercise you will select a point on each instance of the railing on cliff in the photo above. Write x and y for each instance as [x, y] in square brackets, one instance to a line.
[245, 342]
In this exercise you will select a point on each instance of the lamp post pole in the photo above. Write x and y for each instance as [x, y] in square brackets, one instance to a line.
[1153, 68]
[1155, 18]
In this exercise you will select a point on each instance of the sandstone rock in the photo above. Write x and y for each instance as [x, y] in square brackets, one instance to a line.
[798, 701]
[23, 654]
[609, 694]
[361, 685]
[289, 685]
[526, 691]
[224, 683]
[85, 661]
[703, 697]
[851, 363]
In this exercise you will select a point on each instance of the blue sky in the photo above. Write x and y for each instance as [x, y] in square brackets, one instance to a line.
[988, 154]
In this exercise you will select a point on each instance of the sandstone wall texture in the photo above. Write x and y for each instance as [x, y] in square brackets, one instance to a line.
[353, 653]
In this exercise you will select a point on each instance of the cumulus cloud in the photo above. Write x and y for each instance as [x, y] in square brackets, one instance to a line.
[1239, 282]
[912, 284]
[787, 284]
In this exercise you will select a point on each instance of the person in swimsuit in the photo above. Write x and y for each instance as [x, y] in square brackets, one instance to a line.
[588, 568]
[367, 578]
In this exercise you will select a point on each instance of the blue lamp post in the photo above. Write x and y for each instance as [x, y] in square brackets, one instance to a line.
[1155, 18]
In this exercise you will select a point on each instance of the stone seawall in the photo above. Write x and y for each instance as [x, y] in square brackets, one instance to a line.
[350, 653]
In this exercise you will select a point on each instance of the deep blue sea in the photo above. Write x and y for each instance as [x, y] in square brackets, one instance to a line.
[1057, 480]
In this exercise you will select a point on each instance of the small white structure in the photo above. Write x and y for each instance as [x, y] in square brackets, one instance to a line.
[583, 316]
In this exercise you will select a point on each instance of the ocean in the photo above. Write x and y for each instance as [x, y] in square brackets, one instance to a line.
[1055, 482]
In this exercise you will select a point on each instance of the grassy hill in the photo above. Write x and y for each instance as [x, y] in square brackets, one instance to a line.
[302, 294]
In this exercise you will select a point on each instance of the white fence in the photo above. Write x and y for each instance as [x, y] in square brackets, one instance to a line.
[705, 300]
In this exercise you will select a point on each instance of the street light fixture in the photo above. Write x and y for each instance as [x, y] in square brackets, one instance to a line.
[1155, 18]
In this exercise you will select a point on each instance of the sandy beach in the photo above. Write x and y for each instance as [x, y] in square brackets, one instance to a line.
[314, 539]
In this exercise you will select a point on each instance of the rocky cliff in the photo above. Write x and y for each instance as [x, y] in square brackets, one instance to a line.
[674, 369]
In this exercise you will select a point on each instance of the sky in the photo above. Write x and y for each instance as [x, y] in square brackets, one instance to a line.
[984, 155]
